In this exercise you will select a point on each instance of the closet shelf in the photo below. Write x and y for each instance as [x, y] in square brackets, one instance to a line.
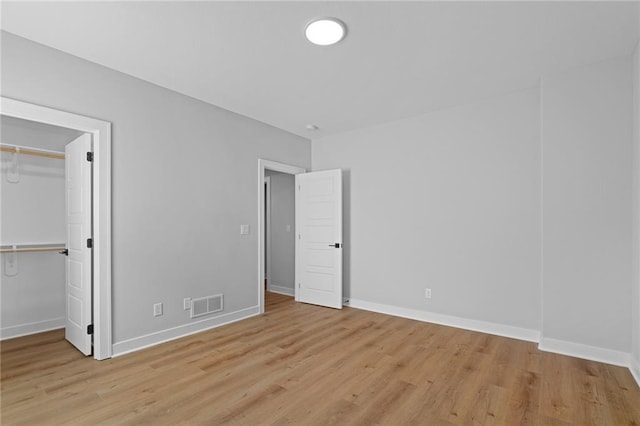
[32, 151]
[31, 247]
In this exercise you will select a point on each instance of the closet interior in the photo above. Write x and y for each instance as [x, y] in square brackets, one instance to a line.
[32, 226]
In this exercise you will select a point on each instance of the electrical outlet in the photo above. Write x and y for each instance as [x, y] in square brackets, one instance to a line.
[187, 303]
[244, 229]
[157, 309]
[427, 293]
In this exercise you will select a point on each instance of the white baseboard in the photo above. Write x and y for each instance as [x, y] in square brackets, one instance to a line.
[287, 291]
[580, 350]
[31, 328]
[577, 350]
[634, 367]
[152, 339]
[448, 320]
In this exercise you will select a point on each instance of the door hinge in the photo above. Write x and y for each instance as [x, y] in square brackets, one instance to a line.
[89, 156]
[90, 329]
[89, 242]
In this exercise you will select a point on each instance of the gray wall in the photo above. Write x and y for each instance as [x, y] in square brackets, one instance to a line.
[449, 201]
[282, 232]
[587, 176]
[465, 200]
[184, 177]
[32, 211]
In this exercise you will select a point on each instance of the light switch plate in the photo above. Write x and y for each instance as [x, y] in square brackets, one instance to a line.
[244, 229]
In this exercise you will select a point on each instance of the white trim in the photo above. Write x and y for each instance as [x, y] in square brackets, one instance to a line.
[287, 291]
[163, 336]
[277, 167]
[267, 227]
[634, 364]
[580, 350]
[448, 320]
[31, 328]
[577, 350]
[542, 229]
[101, 133]
[634, 367]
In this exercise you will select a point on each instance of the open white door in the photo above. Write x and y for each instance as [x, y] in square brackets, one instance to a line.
[79, 243]
[319, 227]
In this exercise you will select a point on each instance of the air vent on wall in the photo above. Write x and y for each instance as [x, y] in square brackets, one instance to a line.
[206, 305]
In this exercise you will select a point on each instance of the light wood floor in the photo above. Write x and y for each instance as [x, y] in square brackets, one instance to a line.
[302, 364]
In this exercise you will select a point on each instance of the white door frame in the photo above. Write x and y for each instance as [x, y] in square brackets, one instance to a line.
[101, 135]
[267, 229]
[276, 167]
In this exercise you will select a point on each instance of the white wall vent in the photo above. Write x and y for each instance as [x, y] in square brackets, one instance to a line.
[206, 305]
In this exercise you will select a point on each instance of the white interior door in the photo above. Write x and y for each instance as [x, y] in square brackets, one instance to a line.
[319, 226]
[79, 231]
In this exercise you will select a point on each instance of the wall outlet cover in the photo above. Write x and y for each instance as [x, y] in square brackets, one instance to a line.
[157, 309]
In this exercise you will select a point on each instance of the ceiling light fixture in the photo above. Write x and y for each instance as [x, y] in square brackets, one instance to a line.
[325, 31]
[312, 127]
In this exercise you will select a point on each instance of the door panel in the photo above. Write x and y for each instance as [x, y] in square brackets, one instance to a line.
[319, 225]
[78, 262]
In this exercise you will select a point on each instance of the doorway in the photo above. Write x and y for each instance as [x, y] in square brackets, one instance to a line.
[265, 169]
[100, 134]
[318, 235]
[280, 232]
[32, 228]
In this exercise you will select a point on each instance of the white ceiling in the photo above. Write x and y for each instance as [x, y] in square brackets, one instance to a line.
[399, 58]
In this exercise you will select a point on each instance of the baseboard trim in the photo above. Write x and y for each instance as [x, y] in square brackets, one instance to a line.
[153, 339]
[287, 291]
[579, 350]
[31, 328]
[448, 320]
[634, 367]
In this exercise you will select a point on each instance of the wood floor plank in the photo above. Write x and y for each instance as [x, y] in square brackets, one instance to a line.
[303, 364]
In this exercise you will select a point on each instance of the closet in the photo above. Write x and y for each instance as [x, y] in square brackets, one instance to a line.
[280, 232]
[33, 226]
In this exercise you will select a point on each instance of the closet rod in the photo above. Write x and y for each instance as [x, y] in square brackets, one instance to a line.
[33, 249]
[32, 151]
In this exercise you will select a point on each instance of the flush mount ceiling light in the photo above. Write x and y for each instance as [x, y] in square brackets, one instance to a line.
[325, 31]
